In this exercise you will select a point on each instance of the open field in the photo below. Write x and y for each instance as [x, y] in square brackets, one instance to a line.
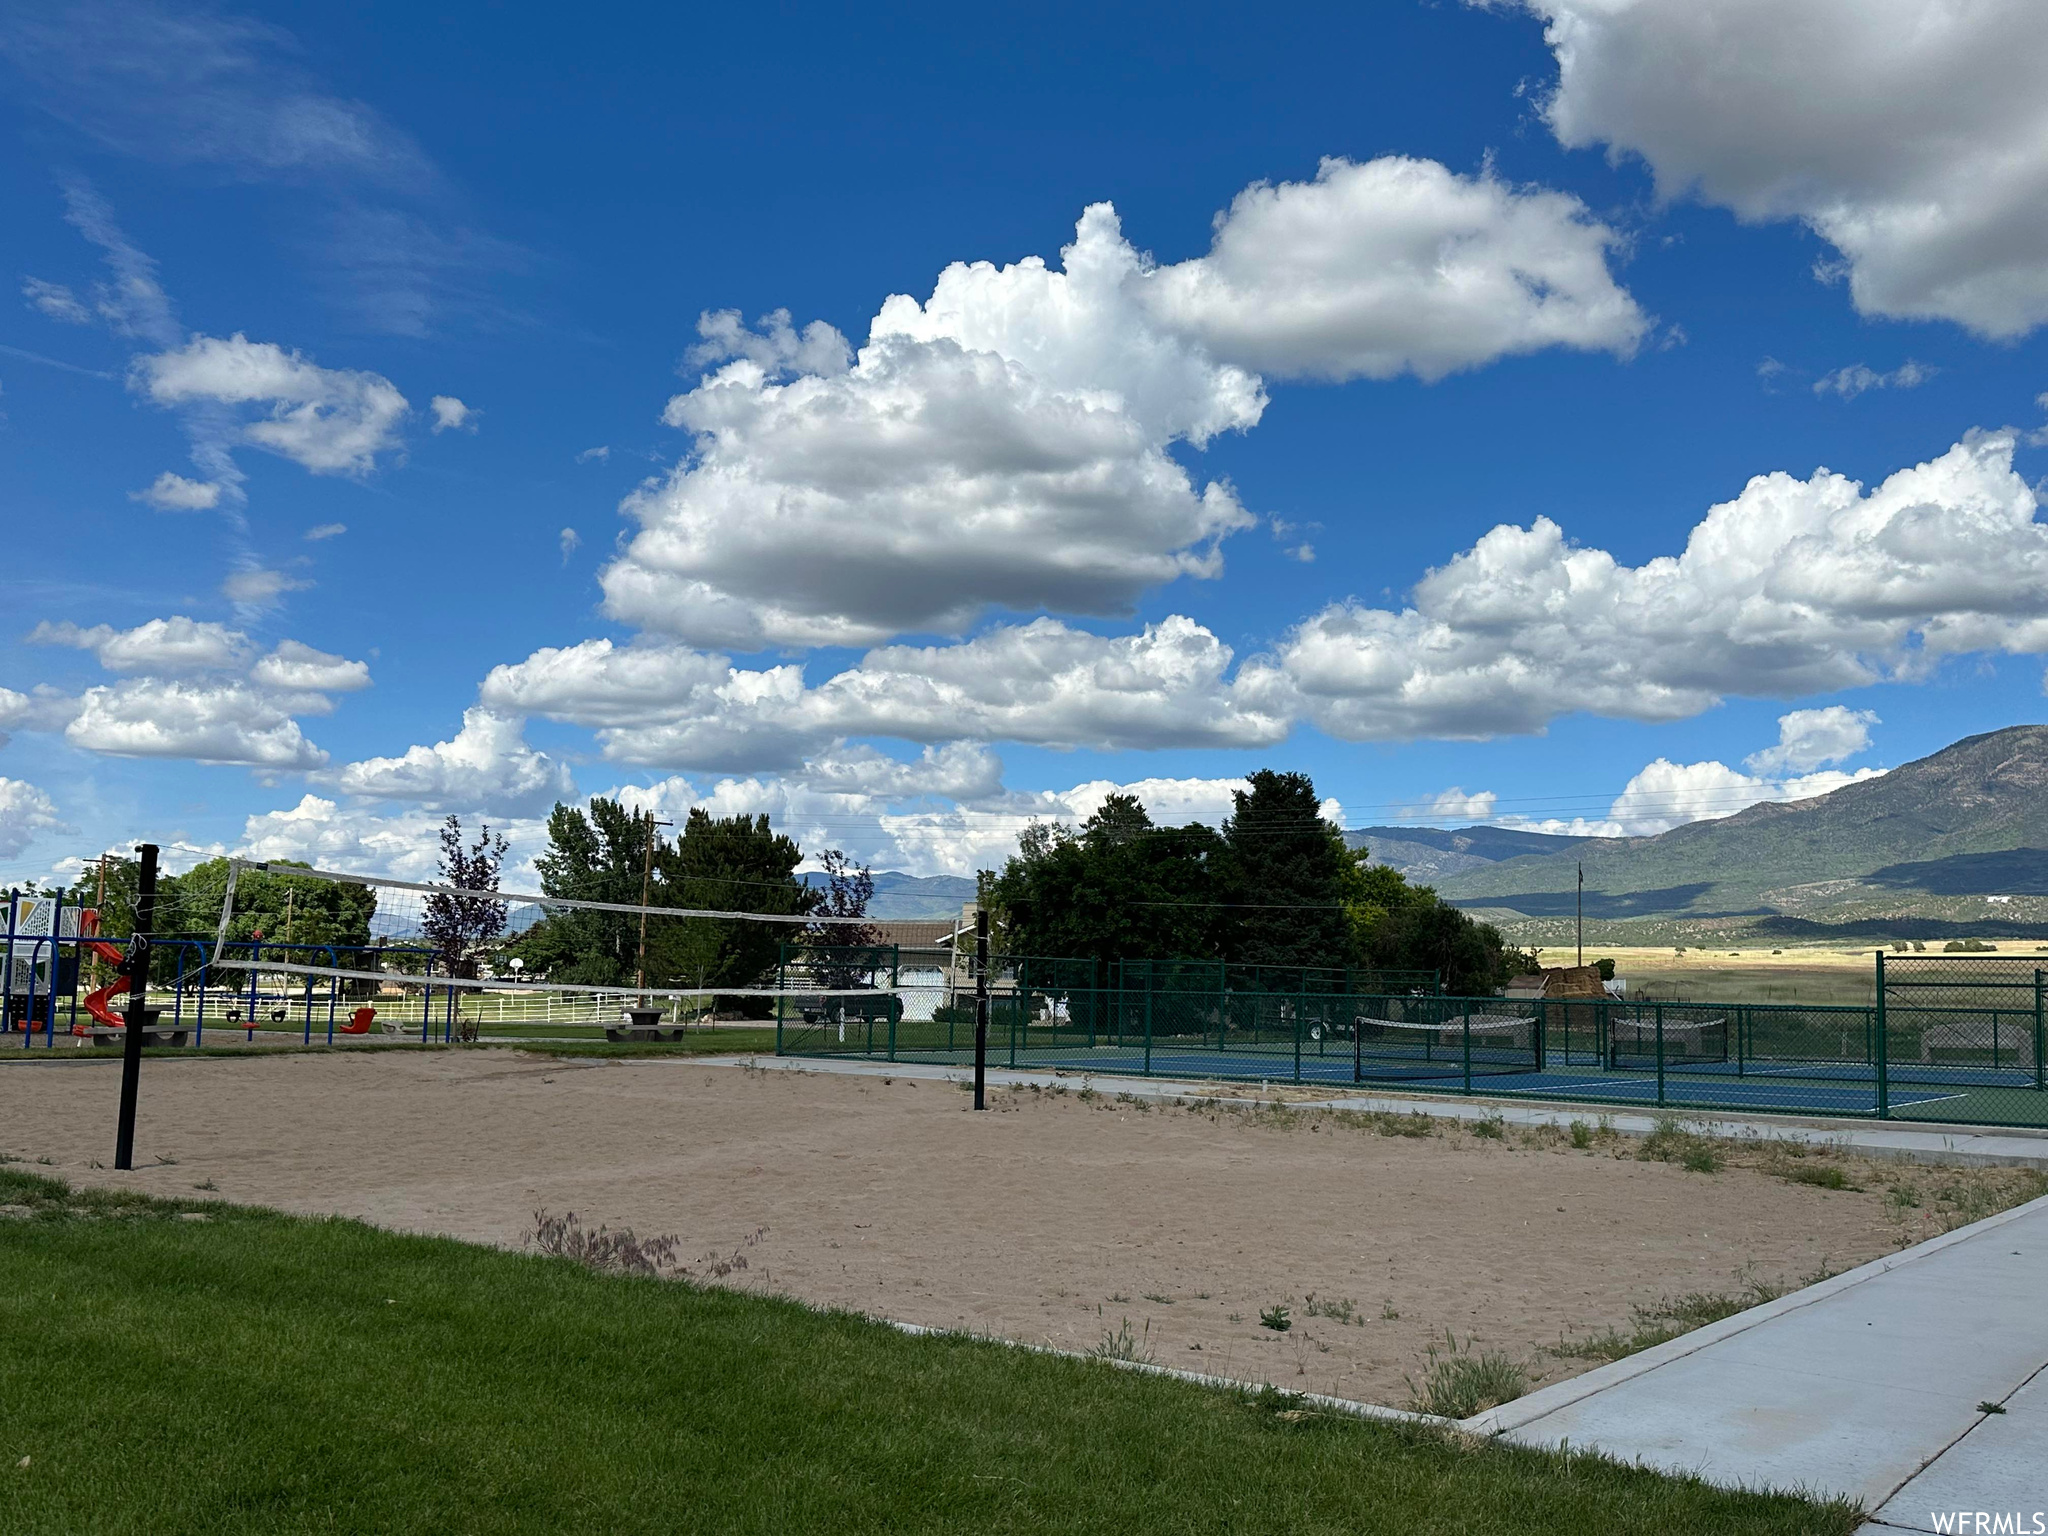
[1067, 1219]
[228, 1369]
[1738, 973]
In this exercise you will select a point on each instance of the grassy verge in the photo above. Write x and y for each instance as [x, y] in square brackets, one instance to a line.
[706, 1042]
[698, 1042]
[240, 1052]
[252, 1372]
[1674, 1316]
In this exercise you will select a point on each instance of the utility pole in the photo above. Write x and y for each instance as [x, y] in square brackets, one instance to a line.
[980, 1007]
[646, 873]
[1582, 916]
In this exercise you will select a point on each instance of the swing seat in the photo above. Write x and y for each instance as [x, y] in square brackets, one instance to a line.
[359, 1022]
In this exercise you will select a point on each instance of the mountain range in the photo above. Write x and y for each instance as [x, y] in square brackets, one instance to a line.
[1429, 853]
[1951, 845]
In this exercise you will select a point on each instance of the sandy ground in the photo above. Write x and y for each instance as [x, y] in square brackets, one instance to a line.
[1053, 1219]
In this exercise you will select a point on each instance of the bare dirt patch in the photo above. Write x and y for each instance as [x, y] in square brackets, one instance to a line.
[1058, 1218]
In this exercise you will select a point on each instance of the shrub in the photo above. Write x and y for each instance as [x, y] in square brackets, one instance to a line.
[1825, 1177]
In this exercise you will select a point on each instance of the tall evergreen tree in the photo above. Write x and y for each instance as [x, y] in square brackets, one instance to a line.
[730, 863]
[1292, 876]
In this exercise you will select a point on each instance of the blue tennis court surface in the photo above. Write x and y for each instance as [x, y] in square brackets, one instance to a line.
[1811, 1088]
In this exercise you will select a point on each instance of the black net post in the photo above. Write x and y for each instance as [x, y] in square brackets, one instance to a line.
[137, 966]
[1883, 1044]
[2040, 1065]
[981, 1008]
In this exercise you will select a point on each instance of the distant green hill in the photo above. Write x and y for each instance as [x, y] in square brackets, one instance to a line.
[1429, 853]
[1946, 846]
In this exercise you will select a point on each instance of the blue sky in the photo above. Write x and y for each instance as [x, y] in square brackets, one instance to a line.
[368, 369]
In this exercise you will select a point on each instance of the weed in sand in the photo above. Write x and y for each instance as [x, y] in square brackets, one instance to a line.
[1340, 1309]
[1822, 1177]
[1279, 1319]
[603, 1250]
[1457, 1383]
[1123, 1344]
[1582, 1135]
[1666, 1319]
[1671, 1141]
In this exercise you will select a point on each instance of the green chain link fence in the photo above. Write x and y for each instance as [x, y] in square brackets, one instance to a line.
[1957, 1039]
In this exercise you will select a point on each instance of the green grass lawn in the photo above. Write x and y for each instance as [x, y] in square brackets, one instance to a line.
[261, 1373]
[698, 1042]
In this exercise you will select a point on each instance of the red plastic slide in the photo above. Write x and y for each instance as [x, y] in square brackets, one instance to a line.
[96, 1002]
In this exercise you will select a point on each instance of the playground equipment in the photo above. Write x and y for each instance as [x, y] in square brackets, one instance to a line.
[47, 941]
[96, 1002]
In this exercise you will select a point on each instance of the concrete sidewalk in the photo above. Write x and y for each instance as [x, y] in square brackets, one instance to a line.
[1868, 1385]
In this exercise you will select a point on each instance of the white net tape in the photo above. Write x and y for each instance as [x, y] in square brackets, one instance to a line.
[396, 932]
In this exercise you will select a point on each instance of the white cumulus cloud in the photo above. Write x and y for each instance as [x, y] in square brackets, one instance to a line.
[1912, 135]
[1667, 794]
[174, 493]
[451, 415]
[295, 667]
[486, 765]
[361, 840]
[1398, 266]
[1045, 682]
[165, 647]
[1454, 804]
[24, 812]
[190, 689]
[1007, 442]
[1814, 738]
[1793, 587]
[225, 721]
[330, 420]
